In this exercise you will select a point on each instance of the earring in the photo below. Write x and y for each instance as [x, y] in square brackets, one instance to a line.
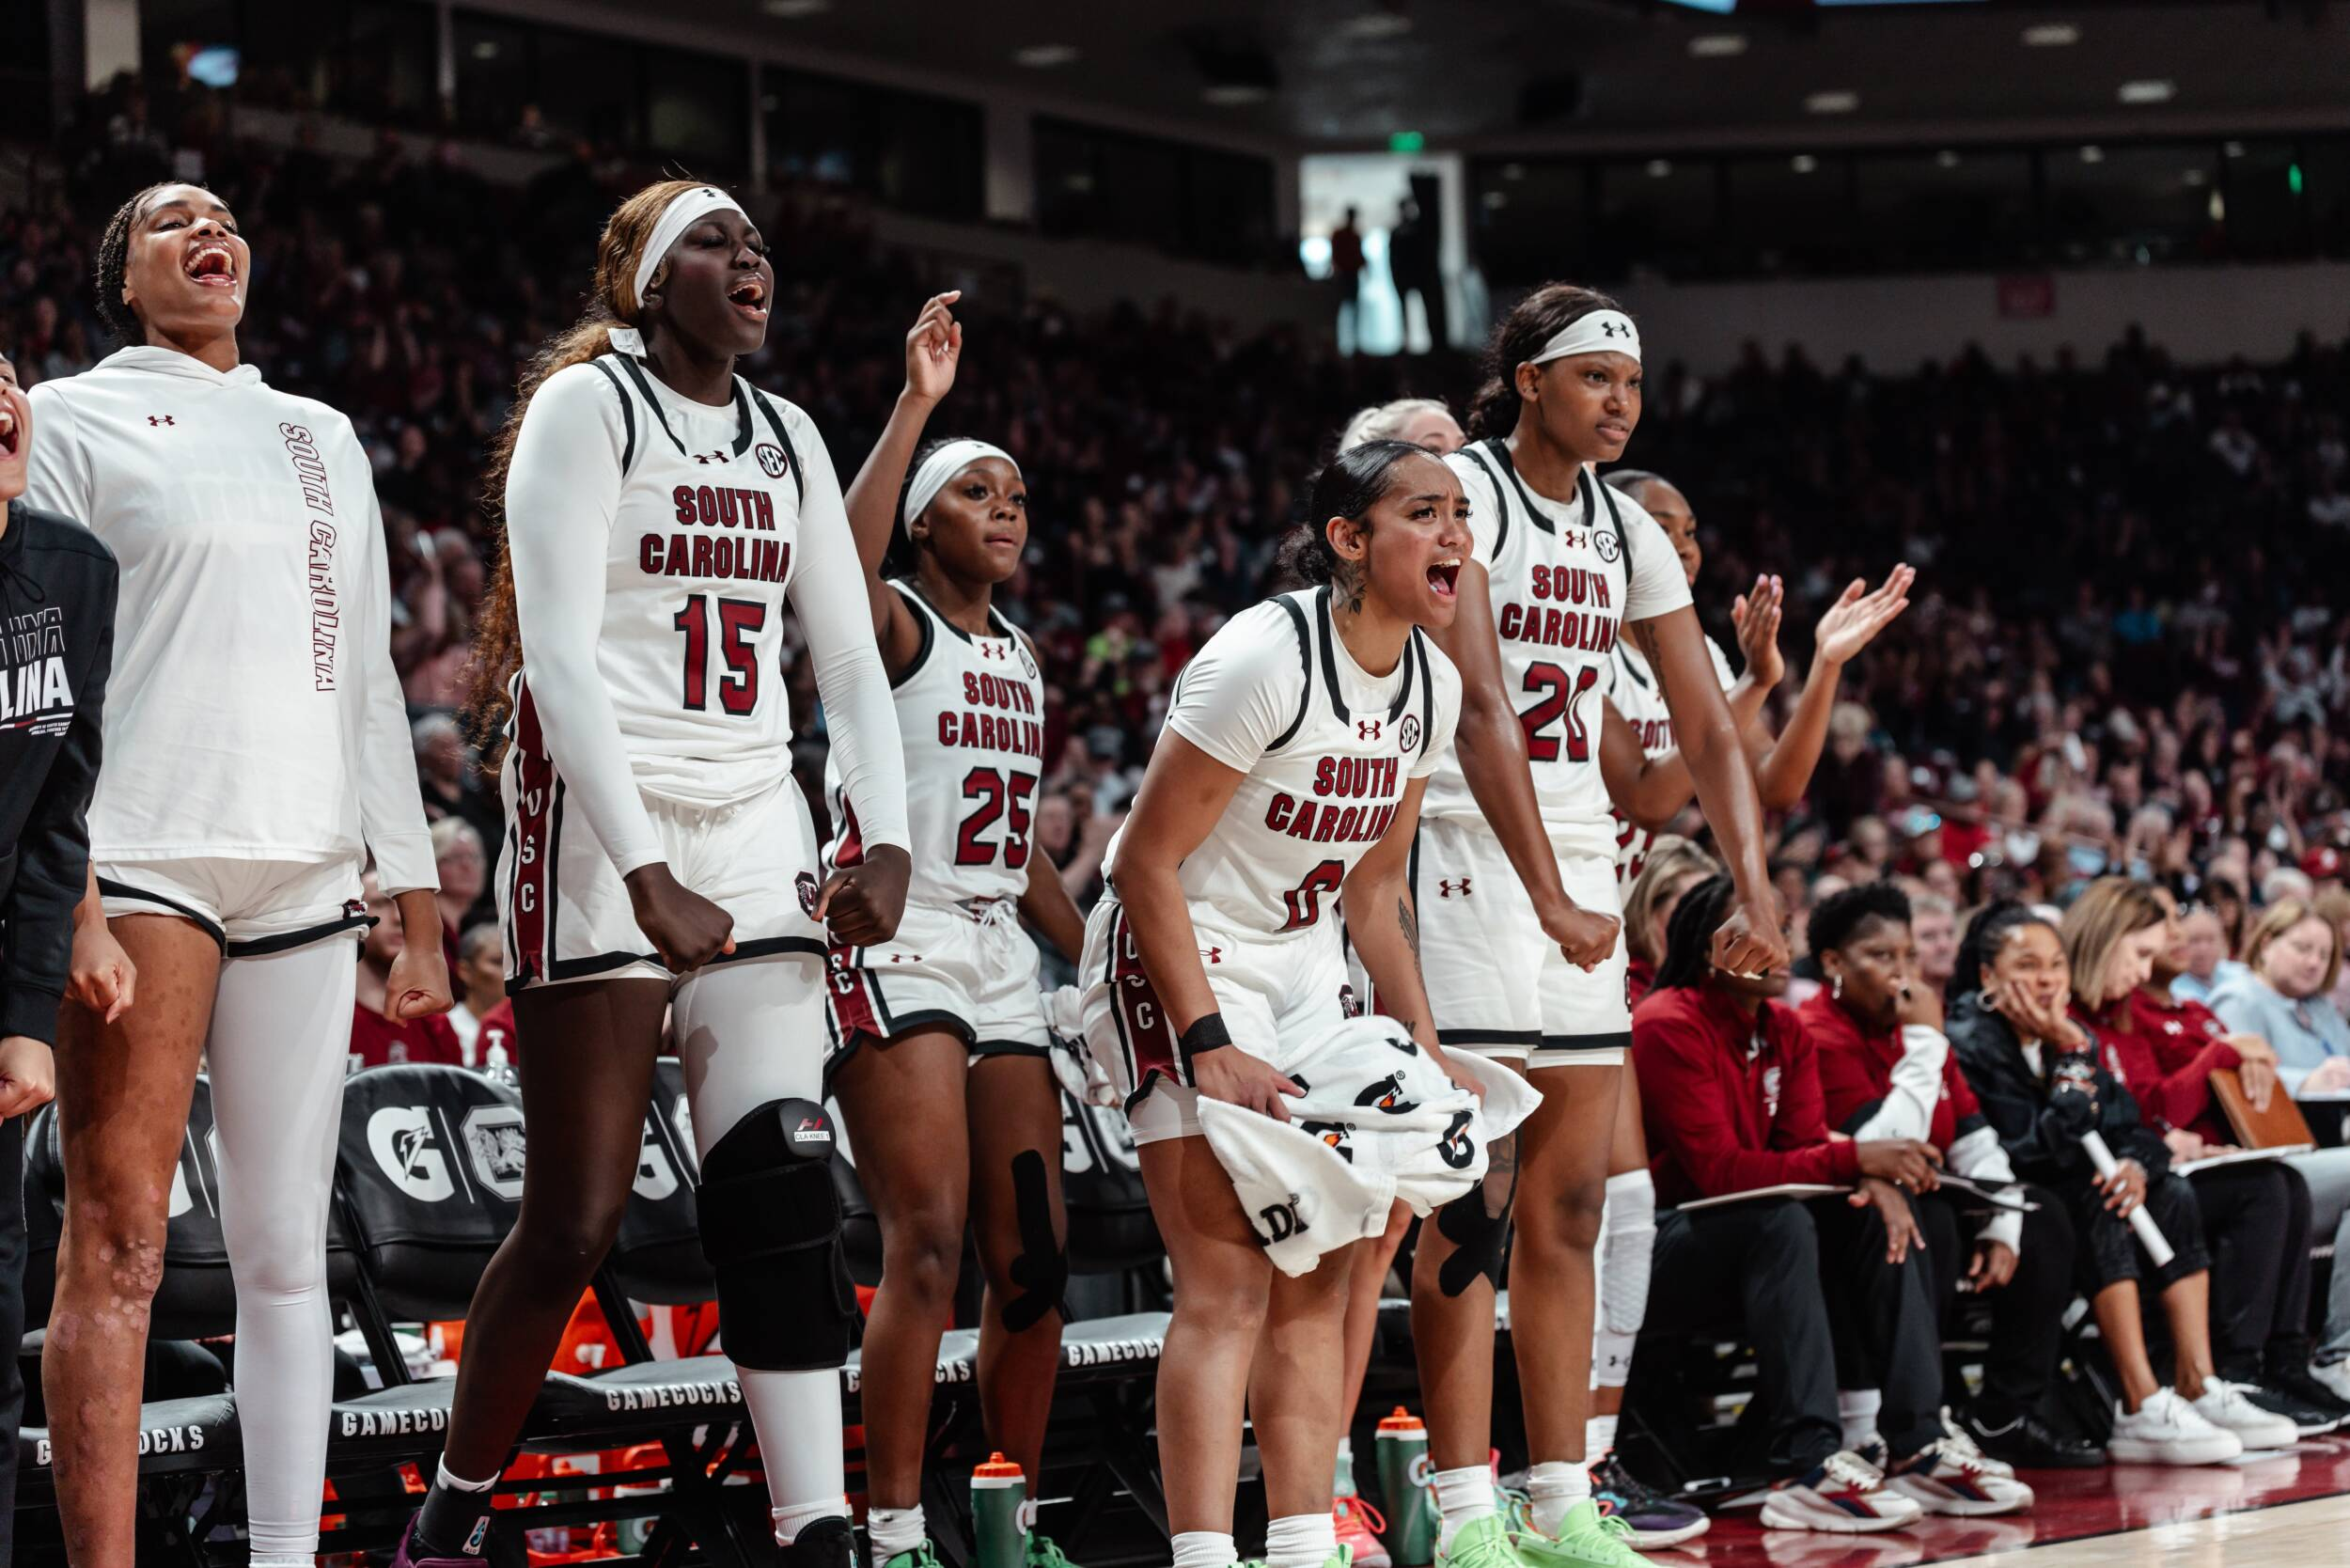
[1836, 988]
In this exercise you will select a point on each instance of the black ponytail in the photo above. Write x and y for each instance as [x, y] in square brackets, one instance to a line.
[1537, 319]
[1689, 934]
[1348, 486]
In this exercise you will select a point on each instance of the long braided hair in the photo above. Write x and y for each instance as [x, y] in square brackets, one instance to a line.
[497, 648]
[1534, 321]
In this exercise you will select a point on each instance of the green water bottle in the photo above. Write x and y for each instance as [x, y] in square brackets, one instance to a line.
[1406, 1488]
[998, 1494]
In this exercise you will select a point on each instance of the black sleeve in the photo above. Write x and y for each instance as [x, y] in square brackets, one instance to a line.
[2040, 1132]
[2126, 1132]
[53, 853]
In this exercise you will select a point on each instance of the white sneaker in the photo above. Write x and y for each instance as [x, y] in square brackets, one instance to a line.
[2167, 1430]
[2335, 1376]
[1952, 1476]
[1843, 1495]
[2223, 1405]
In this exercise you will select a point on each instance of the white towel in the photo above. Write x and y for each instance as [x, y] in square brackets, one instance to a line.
[1379, 1120]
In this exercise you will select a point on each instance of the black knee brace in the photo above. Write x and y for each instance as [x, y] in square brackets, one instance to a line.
[1477, 1224]
[771, 1229]
[1042, 1270]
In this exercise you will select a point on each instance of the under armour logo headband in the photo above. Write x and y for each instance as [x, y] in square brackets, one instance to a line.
[1600, 332]
[941, 466]
[685, 210]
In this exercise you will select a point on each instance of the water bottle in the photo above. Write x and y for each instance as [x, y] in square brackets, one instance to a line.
[999, 1491]
[1406, 1487]
[496, 1066]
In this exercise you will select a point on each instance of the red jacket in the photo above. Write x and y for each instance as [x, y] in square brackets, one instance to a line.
[1856, 1072]
[1730, 1103]
[1639, 978]
[375, 1042]
[2165, 1053]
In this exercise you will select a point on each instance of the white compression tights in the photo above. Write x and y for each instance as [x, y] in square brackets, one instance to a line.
[281, 1033]
[749, 1032]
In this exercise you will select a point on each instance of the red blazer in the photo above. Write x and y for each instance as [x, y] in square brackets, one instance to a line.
[2165, 1052]
[1730, 1104]
[1856, 1072]
[375, 1042]
[1639, 978]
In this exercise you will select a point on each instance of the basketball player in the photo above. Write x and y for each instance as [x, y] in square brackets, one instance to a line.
[257, 754]
[1296, 748]
[940, 1053]
[662, 517]
[1523, 943]
[1421, 421]
[1783, 771]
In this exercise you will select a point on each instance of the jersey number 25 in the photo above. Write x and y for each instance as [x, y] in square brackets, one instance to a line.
[999, 794]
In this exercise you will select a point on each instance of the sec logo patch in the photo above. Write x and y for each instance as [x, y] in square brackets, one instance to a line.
[771, 460]
[1608, 545]
[1408, 733]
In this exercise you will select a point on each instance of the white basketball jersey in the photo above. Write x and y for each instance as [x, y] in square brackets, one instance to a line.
[1563, 580]
[1639, 696]
[1327, 749]
[971, 718]
[702, 547]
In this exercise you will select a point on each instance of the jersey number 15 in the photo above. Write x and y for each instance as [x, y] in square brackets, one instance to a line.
[740, 620]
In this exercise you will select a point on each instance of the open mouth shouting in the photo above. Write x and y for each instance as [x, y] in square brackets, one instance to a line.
[210, 264]
[1443, 576]
[11, 434]
[749, 296]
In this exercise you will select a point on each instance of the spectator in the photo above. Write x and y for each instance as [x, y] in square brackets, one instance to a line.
[2037, 1076]
[465, 869]
[1672, 866]
[375, 1040]
[2291, 962]
[451, 785]
[2256, 1217]
[2208, 965]
[1730, 1095]
[1934, 924]
[481, 976]
[1346, 279]
[1886, 1072]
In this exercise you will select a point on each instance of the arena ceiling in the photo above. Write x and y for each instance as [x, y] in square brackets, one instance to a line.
[1525, 73]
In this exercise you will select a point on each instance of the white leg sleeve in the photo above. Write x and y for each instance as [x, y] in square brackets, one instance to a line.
[748, 1033]
[281, 1035]
[1627, 1239]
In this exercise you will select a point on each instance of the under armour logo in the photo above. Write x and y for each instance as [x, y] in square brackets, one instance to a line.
[1367, 730]
[1214, 955]
[161, 420]
[709, 457]
[993, 651]
[1615, 329]
[1443, 888]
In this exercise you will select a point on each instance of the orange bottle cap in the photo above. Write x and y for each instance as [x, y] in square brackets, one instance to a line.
[1403, 1420]
[997, 1467]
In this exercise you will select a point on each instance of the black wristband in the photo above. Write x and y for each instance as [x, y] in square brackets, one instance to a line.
[1207, 1033]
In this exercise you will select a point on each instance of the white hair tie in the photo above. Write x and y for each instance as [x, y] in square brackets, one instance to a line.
[1599, 332]
[685, 210]
[942, 466]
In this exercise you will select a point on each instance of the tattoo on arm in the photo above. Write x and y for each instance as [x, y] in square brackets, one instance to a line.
[1404, 918]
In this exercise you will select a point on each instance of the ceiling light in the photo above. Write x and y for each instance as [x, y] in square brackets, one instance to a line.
[2092, 154]
[2052, 35]
[1838, 101]
[1513, 171]
[2153, 90]
[1659, 169]
[1232, 94]
[1803, 162]
[2217, 208]
[1374, 25]
[1045, 57]
[793, 10]
[485, 49]
[1946, 159]
[1496, 198]
[2234, 150]
[1718, 46]
[2192, 178]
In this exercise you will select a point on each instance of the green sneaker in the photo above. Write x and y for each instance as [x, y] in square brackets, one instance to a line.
[1586, 1539]
[922, 1556]
[1481, 1543]
[1045, 1552]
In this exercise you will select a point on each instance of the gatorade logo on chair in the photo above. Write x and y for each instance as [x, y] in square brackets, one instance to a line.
[493, 1144]
[656, 1177]
[402, 1141]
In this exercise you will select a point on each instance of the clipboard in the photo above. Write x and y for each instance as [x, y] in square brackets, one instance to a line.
[2280, 1126]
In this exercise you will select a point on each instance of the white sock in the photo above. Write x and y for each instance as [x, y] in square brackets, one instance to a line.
[893, 1531]
[1463, 1496]
[791, 1521]
[1300, 1541]
[1598, 1437]
[1857, 1409]
[451, 1479]
[1555, 1485]
[1343, 1484]
[1027, 1516]
[1204, 1548]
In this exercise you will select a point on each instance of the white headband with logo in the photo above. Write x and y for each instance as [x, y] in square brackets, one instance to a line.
[942, 466]
[1601, 332]
[685, 210]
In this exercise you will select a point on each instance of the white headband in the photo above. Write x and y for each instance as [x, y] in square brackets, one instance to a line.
[685, 210]
[942, 466]
[1600, 332]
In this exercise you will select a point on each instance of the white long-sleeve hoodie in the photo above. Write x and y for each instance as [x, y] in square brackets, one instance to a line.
[254, 713]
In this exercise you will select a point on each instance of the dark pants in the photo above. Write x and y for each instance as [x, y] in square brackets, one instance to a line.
[12, 1322]
[1780, 1262]
[2256, 1224]
[2027, 1312]
[2108, 1251]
